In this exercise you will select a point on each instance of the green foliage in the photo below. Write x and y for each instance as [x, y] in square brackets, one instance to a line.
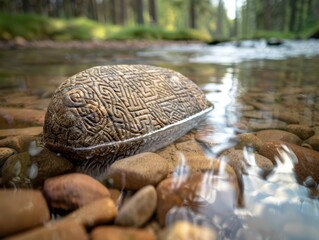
[34, 27]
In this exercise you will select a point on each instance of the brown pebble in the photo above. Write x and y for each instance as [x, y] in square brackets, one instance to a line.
[64, 231]
[278, 135]
[308, 159]
[98, 212]
[304, 132]
[137, 171]
[5, 153]
[248, 140]
[71, 191]
[120, 233]
[21, 210]
[19, 143]
[314, 142]
[137, 210]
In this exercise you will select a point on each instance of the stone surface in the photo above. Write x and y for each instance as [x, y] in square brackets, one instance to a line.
[241, 160]
[106, 113]
[302, 131]
[21, 210]
[183, 230]
[278, 135]
[5, 153]
[64, 231]
[137, 210]
[204, 193]
[20, 143]
[120, 233]
[23, 115]
[98, 212]
[138, 171]
[31, 131]
[308, 159]
[314, 142]
[25, 170]
[249, 140]
[72, 191]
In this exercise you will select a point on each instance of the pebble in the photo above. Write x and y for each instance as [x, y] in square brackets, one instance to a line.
[314, 142]
[288, 117]
[308, 159]
[249, 140]
[120, 233]
[24, 115]
[98, 212]
[241, 159]
[5, 153]
[204, 193]
[65, 231]
[137, 171]
[280, 135]
[257, 125]
[137, 210]
[20, 143]
[302, 131]
[74, 190]
[21, 210]
[183, 230]
[25, 171]
[31, 131]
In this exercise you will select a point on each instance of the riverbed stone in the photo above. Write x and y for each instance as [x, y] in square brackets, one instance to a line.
[183, 230]
[64, 231]
[20, 143]
[264, 124]
[278, 135]
[74, 190]
[21, 210]
[120, 233]
[241, 160]
[31, 117]
[137, 171]
[137, 210]
[204, 193]
[31, 131]
[308, 159]
[288, 117]
[26, 171]
[314, 142]
[101, 211]
[248, 140]
[302, 131]
[5, 153]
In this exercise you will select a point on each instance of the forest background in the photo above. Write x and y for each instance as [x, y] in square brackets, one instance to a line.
[203, 20]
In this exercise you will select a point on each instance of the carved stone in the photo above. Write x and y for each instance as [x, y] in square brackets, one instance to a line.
[110, 112]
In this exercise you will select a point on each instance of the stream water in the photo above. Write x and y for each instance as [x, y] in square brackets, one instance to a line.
[235, 77]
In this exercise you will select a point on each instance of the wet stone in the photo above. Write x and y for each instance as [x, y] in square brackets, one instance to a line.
[183, 230]
[307, 159]
[20, 143]
[26, 116]
[64, 231]
[21, 210]
[71, 191]
[138, 171]
[302, 131]
[31, 131]
[314, 142]
[280, 135]
[203, 193]
[98, 212]
[137, 210]
[248, 140]
[5, 153]
[288, 117]
[257, 125]
[27, 170]
[120, 233]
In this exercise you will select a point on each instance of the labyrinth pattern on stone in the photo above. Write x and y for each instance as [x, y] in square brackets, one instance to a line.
[112, 104]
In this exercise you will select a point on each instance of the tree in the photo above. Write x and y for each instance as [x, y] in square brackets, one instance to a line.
[140, 12]
[153, 12]
[192, 14]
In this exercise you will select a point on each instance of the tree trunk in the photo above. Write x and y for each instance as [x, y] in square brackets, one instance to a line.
[122, 12]
[293, 9]
[26, 6]
[139, 12]
[153, 12]
[192, 14]
[219, 30]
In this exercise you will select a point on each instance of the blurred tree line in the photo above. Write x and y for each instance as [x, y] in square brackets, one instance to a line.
[253, 17]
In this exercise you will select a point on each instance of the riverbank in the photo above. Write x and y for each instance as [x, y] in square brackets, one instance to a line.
[21, 43]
